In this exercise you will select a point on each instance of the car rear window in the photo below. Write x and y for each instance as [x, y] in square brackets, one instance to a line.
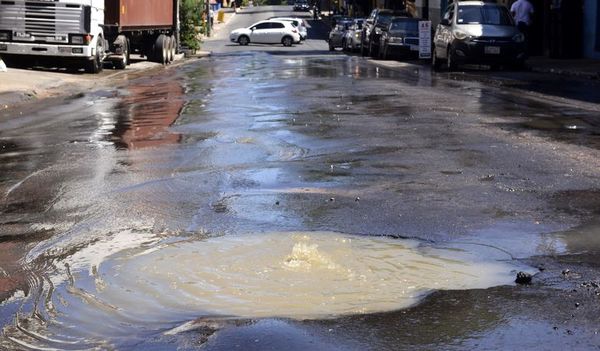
[405, 26]
[384, 19]
[487, 14]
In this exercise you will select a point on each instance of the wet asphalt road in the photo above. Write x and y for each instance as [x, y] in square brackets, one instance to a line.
[263, 139]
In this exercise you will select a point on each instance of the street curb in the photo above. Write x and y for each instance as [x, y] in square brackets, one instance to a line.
[198, 54]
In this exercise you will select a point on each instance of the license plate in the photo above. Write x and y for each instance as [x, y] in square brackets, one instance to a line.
[492, 50]
[21, 35]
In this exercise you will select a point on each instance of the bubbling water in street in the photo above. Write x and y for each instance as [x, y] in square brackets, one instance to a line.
[156, 285]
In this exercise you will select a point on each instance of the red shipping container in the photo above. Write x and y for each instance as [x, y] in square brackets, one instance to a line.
[139, 14]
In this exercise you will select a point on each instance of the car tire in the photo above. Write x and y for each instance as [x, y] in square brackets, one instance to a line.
[451, 60]
[435, 61]
[287, 41]
[243, 40]
[518, 65]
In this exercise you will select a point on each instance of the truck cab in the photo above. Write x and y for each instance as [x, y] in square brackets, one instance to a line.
[89, 32]
[66, 29]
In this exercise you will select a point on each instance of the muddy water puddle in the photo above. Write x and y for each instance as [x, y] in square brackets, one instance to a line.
[135, 284]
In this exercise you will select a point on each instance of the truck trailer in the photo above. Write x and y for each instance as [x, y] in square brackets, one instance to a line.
[89, 32]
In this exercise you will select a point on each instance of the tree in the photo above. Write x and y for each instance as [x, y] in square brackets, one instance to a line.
[190, 16]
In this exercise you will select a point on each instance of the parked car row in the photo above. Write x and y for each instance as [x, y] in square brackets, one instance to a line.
[478, 32]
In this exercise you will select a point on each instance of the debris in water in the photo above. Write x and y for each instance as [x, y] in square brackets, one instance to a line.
[523, 278]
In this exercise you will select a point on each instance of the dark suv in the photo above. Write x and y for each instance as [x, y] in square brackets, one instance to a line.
[372, 28]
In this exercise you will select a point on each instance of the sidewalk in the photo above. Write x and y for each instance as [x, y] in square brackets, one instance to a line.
[18, 85]
[228, 13]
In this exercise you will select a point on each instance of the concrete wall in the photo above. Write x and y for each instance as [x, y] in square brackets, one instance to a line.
[591, 29]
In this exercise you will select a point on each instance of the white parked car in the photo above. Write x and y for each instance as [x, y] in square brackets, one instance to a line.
[267, 32]
[298, 22]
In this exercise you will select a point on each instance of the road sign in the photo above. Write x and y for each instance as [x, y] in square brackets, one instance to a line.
[424, 39]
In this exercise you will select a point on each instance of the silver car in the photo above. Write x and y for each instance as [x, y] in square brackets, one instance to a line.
[336, 35]
[351, 40]
[477, 32]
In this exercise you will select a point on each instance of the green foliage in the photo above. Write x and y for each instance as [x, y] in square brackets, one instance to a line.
[190, 16]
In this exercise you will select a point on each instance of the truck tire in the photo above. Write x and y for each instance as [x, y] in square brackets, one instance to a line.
[169, 45]
[124, 61]
[161, 49]
[95, 65]
[173, 48]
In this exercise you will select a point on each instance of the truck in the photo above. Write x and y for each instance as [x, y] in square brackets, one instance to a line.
[88, 33]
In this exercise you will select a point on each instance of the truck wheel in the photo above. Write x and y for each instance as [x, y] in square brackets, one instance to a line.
[173, 48]
[161, 49]
[124, 61]
[169, 44]
[95, 65]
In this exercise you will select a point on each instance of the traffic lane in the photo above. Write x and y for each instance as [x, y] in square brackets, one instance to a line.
[574, 99]
[347, 148]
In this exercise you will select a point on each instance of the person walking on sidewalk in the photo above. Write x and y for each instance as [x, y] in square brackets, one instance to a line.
[522, 12]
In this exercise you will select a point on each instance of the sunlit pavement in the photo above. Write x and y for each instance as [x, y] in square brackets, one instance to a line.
[292, 198]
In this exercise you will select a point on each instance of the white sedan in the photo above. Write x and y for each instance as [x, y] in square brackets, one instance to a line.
[267, 32]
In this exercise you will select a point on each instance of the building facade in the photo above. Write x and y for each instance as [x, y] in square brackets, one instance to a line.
[561, 28]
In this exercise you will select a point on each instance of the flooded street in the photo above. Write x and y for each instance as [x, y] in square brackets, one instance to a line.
[272, 198]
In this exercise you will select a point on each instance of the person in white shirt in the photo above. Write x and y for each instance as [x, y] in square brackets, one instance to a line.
[522, 12]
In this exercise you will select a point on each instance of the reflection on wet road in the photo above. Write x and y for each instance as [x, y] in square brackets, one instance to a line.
[172, 198]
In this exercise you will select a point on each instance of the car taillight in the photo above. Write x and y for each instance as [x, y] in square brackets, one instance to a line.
[294, 31]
